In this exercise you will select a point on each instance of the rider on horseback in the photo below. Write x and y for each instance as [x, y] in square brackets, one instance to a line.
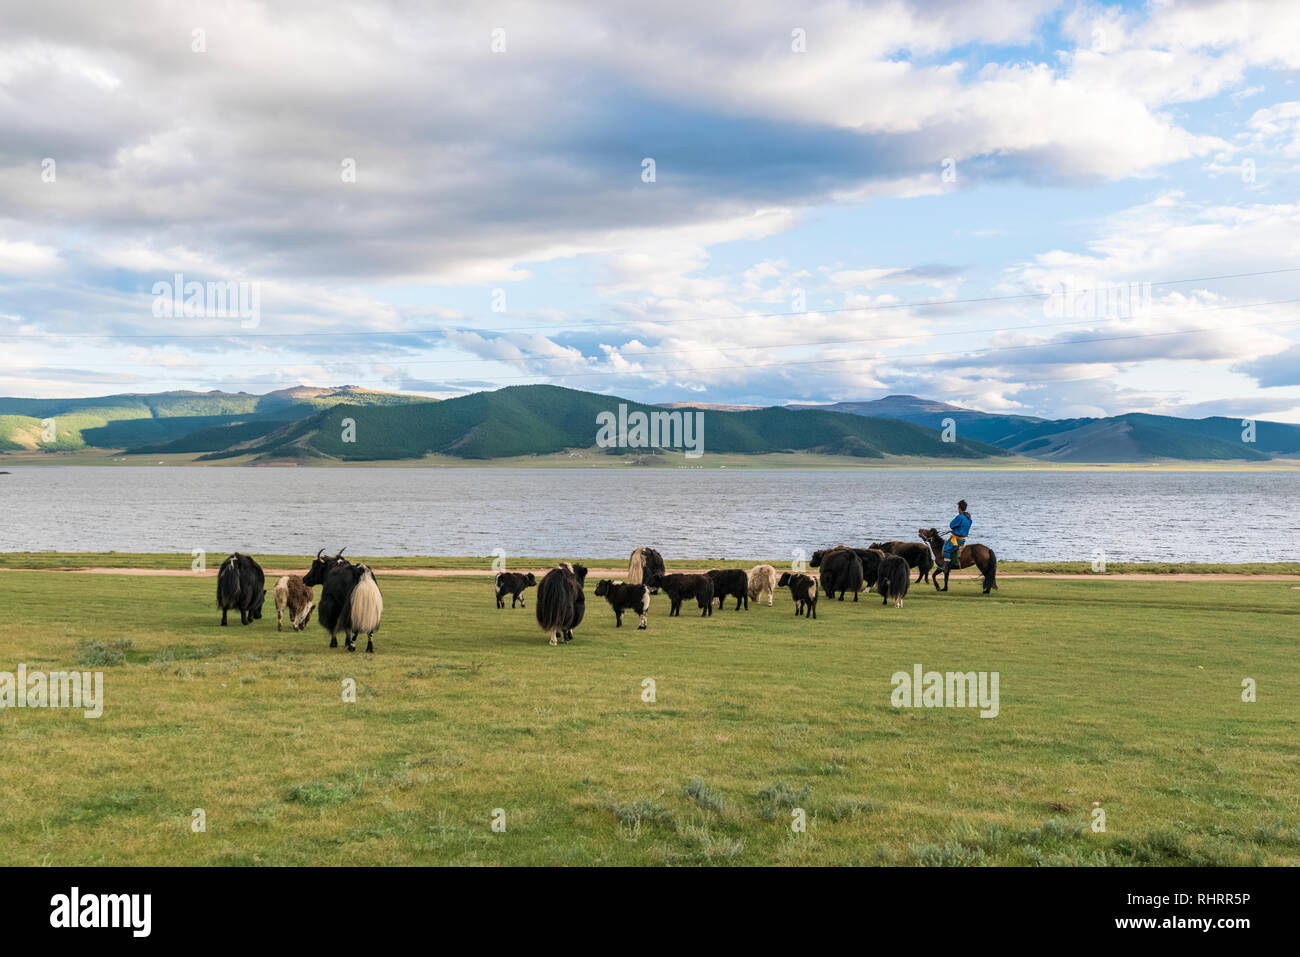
[958, 529]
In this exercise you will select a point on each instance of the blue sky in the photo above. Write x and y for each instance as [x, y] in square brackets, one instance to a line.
[822, 177]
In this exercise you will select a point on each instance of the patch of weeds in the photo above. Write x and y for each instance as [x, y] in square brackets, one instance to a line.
[703, 846]
[771, 801]
[845, 809]
[699, 792]
[322, 793]
[948, 854]
[100, 654]
[111, 804]
[642, 811]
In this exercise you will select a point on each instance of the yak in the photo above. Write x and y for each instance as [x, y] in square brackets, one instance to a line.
[241, 587]
[295, 597]
[350, 600]
[561, 604]
[513, 584]
[917, 555]
[679, 587]
[841, 570]
[762, 578]
[645, 567]
[803, 589]
[894, 577]
[730, 583]
[625, 598]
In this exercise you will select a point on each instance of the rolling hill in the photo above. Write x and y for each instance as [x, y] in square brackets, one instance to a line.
[543, 419]
[151, 423]
[1131, 437]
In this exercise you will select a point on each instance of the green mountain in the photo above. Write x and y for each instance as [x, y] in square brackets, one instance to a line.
[541, 419]
[149, 423]
[1132, 437]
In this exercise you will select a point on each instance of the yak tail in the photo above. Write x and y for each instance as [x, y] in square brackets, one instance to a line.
[991, 577]
[554, 604]
[228, 584]
[282, 592]
[365, 605]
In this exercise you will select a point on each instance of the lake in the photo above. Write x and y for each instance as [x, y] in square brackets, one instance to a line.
[1228, 516]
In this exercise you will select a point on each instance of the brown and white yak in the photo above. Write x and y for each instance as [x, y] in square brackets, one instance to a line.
[292, 595]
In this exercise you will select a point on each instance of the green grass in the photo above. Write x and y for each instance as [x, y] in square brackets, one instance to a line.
[176, 561]
[1123, 693]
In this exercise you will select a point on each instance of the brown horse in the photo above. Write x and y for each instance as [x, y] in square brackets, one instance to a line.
[981, 556]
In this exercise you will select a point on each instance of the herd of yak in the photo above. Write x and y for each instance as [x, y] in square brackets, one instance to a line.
[351, 603]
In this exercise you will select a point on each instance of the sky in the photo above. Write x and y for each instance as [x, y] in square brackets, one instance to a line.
[1054, 209]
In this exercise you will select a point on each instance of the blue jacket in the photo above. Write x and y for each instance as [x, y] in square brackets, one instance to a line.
[960, 526]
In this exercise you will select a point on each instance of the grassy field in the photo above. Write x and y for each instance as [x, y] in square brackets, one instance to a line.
[1124, 694]
[175, 561]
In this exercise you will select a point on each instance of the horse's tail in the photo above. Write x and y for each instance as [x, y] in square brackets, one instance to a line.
[991, 576]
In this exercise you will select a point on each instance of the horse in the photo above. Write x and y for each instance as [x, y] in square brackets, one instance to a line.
[981, 556]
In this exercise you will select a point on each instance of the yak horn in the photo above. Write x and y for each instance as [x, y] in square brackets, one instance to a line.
[321, 553]
[341, 551]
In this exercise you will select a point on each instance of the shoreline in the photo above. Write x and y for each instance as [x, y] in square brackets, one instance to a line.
[585, 459]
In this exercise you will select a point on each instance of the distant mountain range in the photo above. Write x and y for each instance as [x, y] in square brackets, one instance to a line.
[302, 424]
[1132, 437]
[167, 421]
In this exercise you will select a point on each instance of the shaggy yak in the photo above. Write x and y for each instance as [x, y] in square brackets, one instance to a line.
[841, 570]
[560, 601]
[803, 590]
[871, 559]
[917, 555]
[292, 594]
[350, 600]
[241, 587]
[513, 584]
[680, 586]
[625, 598]
[730, 583]
[762, 578]
[645, 567]
[893, 580]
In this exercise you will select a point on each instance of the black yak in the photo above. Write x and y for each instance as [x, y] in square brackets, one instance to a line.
[679, 587]
[871, 559]
[292, 595]
[803, 589]
[560, 601]
[645, 567]
[730, 583]
[350, 600]
[625, 598]
[917, 555]
[841, 570]
[893, 580]
[513, 584]
[241, 587]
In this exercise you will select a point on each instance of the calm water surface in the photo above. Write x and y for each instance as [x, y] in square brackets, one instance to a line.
[601, 513]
